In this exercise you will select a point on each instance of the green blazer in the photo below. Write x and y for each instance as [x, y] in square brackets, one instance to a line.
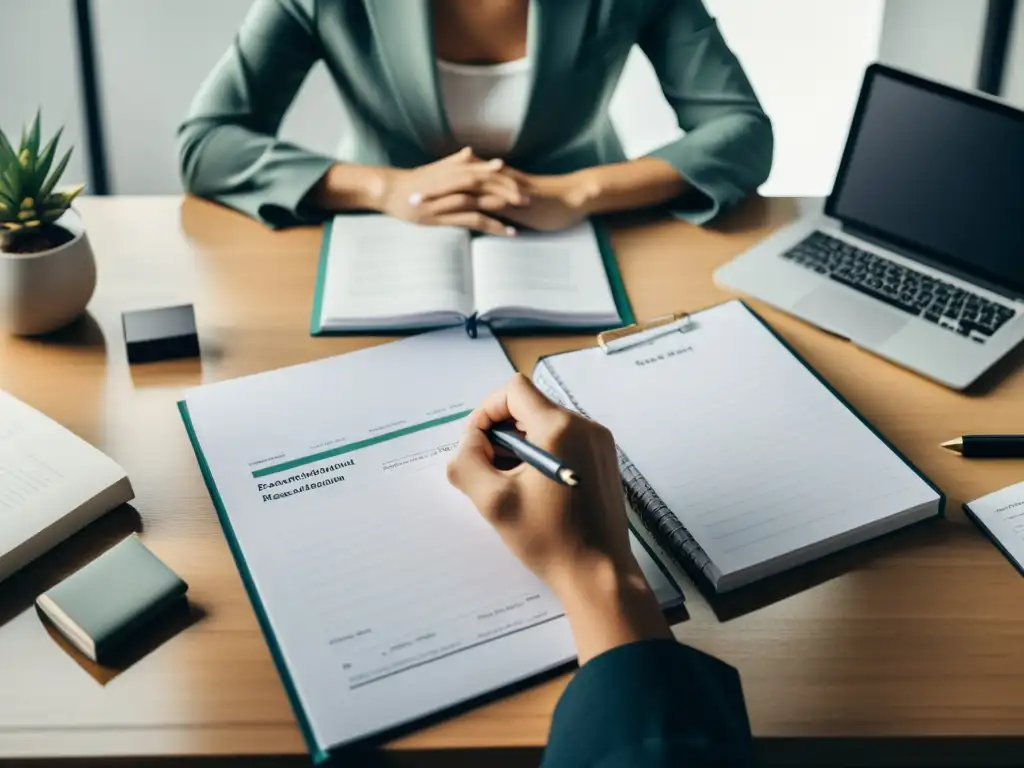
[381, 57]
[651, 704]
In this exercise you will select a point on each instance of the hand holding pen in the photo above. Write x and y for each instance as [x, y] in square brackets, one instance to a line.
[550, 525]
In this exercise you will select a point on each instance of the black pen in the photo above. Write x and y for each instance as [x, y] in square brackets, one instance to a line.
[988, 446]
[507, 437]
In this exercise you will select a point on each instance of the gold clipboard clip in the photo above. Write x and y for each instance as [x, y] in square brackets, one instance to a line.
[633, 335]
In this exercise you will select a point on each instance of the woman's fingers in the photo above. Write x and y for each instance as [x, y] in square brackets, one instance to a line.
[464, 155]
[491, 199]
[457, 203]
[477, 221]
[474, 178]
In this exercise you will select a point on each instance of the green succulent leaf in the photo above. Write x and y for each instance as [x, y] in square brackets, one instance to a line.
[45, 161]
[7, 154]
[63, 198]
[33, 144]
[71, 194]
[11, 180]
[49, 184]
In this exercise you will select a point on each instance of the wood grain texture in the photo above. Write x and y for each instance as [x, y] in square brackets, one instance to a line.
[918, 634]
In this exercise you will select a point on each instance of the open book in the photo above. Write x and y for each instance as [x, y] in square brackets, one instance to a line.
[381, 274]
[52, 484]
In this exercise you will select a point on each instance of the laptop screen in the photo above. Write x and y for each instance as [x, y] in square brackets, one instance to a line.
[937, 171]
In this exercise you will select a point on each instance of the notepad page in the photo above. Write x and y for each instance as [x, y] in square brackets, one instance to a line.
[554, 276]
[1002, 515]
[387, 272]
[756, 458]
[390, 596]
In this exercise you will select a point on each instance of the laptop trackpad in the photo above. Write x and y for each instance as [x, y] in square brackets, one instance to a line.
[859, 318]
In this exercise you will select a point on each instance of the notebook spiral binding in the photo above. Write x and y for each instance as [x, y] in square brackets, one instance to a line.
[655, 515]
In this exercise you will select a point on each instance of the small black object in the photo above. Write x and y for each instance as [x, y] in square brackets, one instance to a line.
[471, 326]
[160, 334]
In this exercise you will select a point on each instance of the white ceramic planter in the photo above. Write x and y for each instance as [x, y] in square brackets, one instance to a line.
[41, 292]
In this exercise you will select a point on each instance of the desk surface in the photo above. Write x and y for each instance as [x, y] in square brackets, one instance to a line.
[921, 633]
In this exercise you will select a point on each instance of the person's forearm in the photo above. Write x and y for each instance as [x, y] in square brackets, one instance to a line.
[608, 606]
[347, 187]
[639, 183]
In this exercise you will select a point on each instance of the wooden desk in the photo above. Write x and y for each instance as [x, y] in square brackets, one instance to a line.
[920, 634]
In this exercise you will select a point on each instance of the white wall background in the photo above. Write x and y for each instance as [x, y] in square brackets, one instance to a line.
[153, 54]
[941, 39]
[40, 72]
[805, 59]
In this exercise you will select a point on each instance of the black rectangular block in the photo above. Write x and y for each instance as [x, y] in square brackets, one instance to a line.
[160, 334]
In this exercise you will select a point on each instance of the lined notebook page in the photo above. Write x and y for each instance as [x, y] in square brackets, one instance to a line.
[756, 458]
[547, 274]
[382, 269]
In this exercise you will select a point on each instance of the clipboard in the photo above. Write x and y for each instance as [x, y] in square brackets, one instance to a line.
[645, 331]
[655, 516]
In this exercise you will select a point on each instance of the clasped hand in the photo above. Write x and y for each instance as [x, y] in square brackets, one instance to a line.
[462, 190]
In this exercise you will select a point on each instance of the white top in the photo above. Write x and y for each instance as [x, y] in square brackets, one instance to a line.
[485, 105]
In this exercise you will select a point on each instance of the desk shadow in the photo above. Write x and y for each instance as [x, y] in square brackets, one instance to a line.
[676, 615]
[177, 372]
[20, 591]
[146, 640]
[774, 589]
[84, 333]
[989, 381]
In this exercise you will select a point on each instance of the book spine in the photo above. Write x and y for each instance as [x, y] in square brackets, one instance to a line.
[653, 513]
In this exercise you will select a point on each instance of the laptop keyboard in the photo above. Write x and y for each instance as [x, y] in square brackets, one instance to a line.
[929, 298]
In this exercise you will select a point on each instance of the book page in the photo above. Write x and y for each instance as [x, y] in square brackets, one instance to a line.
[557, 277]
[383, 272]
[46, 474]
[389, 595]
[751, 452]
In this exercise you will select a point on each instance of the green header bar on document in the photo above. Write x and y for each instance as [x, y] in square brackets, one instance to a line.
[382, 438]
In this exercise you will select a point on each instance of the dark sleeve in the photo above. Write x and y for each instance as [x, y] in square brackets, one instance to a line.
[651, 704]
[728, 147]
[228, 145]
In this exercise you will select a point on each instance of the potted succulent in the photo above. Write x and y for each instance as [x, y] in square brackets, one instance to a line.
[47, 269]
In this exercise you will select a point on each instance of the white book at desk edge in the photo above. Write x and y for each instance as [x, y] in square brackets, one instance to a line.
[384, 595]
[738, 458]
[52, 484]
[1001, 516]
[381, 273]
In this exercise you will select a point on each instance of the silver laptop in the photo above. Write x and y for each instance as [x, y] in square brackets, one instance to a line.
[919, 253]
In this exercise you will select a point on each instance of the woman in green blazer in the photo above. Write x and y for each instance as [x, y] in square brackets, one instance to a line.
[522, 87]
[640, 699]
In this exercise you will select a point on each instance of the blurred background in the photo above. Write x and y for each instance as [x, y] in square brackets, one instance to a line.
[119, 75]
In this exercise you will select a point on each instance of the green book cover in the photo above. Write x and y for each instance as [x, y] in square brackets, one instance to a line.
[318, 754]
[99, 607]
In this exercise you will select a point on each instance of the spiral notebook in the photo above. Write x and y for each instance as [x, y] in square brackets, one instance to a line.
[738, 459]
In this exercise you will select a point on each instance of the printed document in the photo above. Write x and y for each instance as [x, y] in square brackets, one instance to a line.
[389, 597]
